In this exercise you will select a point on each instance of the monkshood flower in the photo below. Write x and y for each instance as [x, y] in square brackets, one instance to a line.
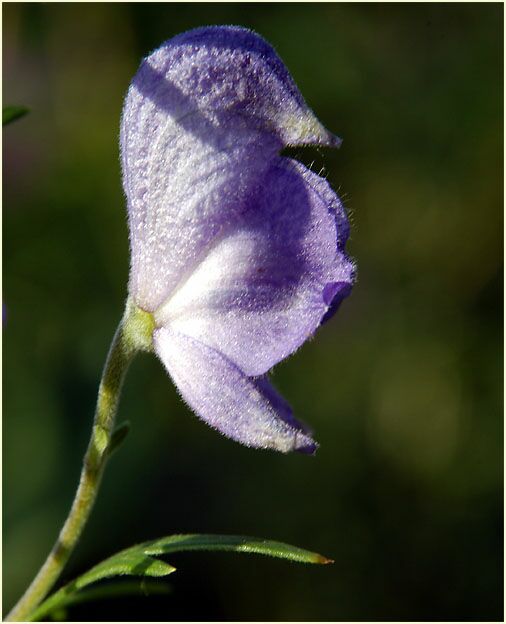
[237, 253]
[237, 257]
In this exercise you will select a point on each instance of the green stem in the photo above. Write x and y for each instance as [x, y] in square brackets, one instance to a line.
[133, 334]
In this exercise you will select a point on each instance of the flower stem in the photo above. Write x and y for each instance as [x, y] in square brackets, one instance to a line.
[133, 334]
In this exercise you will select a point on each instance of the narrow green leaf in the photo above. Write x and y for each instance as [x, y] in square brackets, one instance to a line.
[110, 590]
[129, 562]
[119, 589]
[140, 560]
[132, 562]
[59, 615]
[234, 543]
[118, 437]
[11, 113]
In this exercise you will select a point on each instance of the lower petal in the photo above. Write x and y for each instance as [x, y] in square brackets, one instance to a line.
[245, 409]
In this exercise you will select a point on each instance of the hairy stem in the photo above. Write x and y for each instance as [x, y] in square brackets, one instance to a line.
[133, 334]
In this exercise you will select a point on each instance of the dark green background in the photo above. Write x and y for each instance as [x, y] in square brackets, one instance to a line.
[403, 388]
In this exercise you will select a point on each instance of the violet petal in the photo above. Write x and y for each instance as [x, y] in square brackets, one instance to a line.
[260, 290]
[244, 409]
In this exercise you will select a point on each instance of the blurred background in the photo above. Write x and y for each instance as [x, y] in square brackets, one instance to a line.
[403, 388]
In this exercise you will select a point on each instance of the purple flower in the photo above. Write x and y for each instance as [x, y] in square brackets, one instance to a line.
[237, 252]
